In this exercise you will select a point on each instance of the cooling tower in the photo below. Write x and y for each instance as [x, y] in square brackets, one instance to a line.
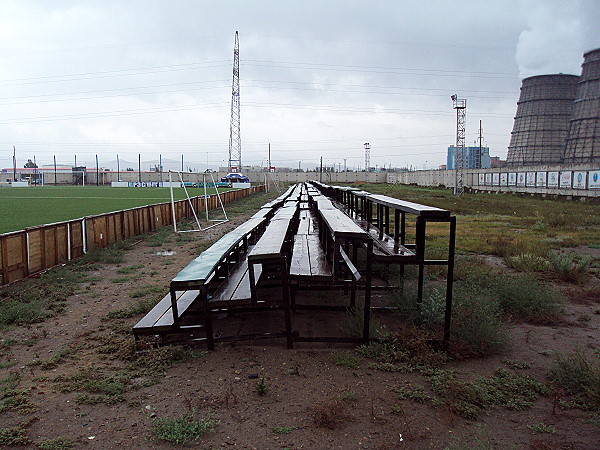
[542, 120]
[583, 141]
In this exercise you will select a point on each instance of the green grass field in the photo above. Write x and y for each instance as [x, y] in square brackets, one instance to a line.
[26, 207]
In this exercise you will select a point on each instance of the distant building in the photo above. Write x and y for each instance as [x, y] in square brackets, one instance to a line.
[497, 163]
[472, 158]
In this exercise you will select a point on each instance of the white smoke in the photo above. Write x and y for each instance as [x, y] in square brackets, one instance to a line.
[557, 35]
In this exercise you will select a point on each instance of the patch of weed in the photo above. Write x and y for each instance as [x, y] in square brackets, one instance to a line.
[282, 430]
[348, 396]
[328, 414]
[579, 378]
[129, 269]
[346, 359]
[146, 290]
[13, 436]
[120, 280]
[140, 307]
[528, 262]
[541, 428]
[569, 268]
[262, 387]
[416, 393]
[184, 430]
[469, 398]
[59, 443]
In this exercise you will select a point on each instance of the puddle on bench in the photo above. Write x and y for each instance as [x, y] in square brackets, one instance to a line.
[165, 253]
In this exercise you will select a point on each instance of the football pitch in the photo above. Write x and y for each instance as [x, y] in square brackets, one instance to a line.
[26, 207]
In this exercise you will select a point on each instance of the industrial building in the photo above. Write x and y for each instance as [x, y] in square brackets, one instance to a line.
[475, 157]
[557, 118]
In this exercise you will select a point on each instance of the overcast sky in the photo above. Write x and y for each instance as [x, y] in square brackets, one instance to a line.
[318, 78]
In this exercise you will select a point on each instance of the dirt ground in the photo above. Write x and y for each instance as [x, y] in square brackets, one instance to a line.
[311, 401]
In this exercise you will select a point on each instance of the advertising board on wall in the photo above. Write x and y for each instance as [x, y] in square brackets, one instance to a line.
[488, 179]
[521, 179]
[495, 179]
[579, 180]
[540, 179]
[512, 179]
[503, 179]
[552, 179]
[530, 179]
[481, 179]
[594, 179]
[565, 180]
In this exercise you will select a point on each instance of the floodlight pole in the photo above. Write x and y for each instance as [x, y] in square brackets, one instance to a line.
[460, 105]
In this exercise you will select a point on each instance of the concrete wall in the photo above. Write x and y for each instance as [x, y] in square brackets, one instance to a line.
[472, 180]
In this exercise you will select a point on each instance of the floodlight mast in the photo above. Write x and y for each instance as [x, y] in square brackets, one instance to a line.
[460, 105]
[235, 140]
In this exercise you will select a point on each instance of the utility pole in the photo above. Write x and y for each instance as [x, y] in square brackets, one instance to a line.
[235, 140]
[97, 172]
[345, 166]
[479, 160]
[269, 162]
[460, 105]
[14, 164]
[55, 182]
[367, 156]
[321, 171]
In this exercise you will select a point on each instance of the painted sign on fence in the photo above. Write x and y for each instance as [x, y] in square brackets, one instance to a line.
[488, 179]
[552, 179]
[540, 179]
[481, 179]
[594, 179]
[512, 179]
[530, 179]
[521, 179]
[504, 179]
[495, 179]
[565, 180]
[579, 180]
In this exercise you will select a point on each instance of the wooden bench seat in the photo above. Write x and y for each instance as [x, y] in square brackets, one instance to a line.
[308, 259]
[160, 318]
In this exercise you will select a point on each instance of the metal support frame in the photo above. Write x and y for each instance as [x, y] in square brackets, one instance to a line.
[460, 105]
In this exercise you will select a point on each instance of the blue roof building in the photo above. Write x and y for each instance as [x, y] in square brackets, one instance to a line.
[472, 158]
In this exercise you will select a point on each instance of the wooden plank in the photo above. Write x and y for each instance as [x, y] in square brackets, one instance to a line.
[155, 314]
[300, 261]
[184, 301]
[409, 207]
[308, 258]
[341, 225]
[319, 267]
[271, 242]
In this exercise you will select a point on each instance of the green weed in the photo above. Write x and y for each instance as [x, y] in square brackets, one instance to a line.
[469, 398]
[184, 430]
[541, 428]
[13, 436]
[578, 377]
[346, 359]
[140, 307]
[570, 268]
[262, 387]
[348, 396]
[416, 393]
[120, 280]
[129, 269]
[283, 430]
[59, 443]
[146, 290]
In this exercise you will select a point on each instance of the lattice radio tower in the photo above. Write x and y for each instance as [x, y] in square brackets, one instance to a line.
[367, 156]
[235, 140]
[460, 105]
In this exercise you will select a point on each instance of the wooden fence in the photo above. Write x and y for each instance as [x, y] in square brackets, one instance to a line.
[26, 252]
